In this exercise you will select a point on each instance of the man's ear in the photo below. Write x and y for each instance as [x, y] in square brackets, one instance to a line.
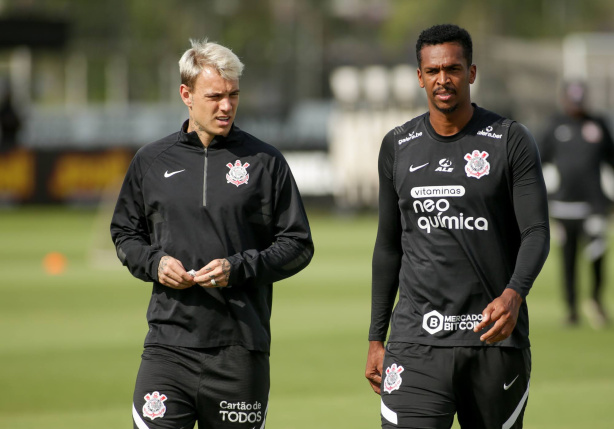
[473, 73]
[420, 81]
[186, 95]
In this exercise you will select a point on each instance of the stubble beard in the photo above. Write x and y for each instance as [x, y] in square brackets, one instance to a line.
[447, 110]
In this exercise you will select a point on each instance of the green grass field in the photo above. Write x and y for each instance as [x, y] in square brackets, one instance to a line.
[71, 343]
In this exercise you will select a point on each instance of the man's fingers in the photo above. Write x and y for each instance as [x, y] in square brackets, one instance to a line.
[485, 320]
[178, 277]
[503, 312]
[215, 274]
[375, 363]
[376, 386]
[176, 282]
[375, 380]
[172, 274]
[492, 333]
[168, 280]
[212, 278]
[499, 332]
[491, 314]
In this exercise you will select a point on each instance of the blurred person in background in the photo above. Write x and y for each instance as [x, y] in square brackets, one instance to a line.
[463, 233]
[10, 122]
[576, 143]
[212, 216]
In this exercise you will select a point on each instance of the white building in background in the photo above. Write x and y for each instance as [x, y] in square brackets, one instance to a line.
[590, 57]
[370, 102]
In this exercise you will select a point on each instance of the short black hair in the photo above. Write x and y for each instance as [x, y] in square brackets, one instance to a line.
[443, 33]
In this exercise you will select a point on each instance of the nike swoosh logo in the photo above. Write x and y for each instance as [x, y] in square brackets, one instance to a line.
[167, 174]
[507, 386]
[412, 168]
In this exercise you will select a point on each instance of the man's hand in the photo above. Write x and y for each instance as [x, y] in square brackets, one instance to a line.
[504, 312]
[171, 273]
[214, 274]
[375, 365]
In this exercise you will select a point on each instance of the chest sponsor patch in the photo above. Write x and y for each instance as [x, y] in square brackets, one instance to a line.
[393, 378]
[238, 173]
[477, 166]
[154, 405]
[445, 165]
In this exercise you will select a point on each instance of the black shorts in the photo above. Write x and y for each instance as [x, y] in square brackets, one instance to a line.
[225, 387]
[424, 386]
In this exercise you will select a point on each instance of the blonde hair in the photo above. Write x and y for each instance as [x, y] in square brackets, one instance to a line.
[204, 54]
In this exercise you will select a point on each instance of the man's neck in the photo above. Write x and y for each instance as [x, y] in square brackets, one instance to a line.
[449, 124]
[204, 137]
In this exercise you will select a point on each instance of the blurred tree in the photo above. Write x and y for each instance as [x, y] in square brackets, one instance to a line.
[514, 18]
[289, 46]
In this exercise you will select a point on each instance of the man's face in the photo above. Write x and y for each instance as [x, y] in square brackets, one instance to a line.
[213, 103]
[446, 76]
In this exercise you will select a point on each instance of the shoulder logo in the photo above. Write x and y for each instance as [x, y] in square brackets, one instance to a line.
[393, 378]
[477, 166]
[487, 132]
[445, 165]
[410, 136]
[167, 174]
[238, 173]
[154, 405]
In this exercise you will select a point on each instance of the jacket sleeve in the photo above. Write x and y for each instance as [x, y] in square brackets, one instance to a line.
[387, 254]
[530, 207]
[130, 231]
[292, 247]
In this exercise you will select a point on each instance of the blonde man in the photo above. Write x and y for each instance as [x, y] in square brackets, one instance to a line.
[212, 217]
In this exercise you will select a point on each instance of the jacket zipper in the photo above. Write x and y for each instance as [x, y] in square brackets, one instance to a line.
[205, 179]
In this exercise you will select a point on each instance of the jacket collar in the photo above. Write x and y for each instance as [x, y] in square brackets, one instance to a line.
[192, 138]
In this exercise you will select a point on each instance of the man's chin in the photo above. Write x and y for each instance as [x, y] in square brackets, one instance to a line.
[445, 109]
[223, 130]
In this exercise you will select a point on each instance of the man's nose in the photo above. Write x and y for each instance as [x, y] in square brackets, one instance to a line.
[442, 77]
[225, 104]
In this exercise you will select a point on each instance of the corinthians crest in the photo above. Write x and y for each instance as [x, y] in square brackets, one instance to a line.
[477, 166]
[393, 378]
[238, 173]
[154, 406]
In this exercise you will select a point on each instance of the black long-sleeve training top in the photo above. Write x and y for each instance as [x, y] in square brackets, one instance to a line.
[461, 218]
[237, 200]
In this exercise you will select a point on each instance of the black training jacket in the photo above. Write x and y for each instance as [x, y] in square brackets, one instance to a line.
[237, 200]
[577, 147]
